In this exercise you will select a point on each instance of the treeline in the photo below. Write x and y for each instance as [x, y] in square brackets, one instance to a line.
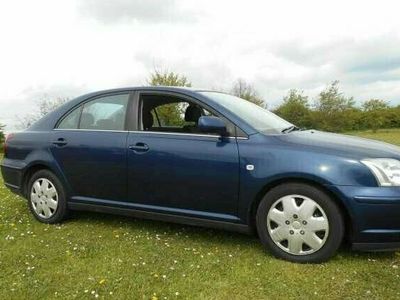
[332, 111]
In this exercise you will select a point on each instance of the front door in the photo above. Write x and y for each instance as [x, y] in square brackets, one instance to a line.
[174, 168]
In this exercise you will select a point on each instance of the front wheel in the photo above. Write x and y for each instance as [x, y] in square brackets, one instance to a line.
[46, 197]
[300, 223]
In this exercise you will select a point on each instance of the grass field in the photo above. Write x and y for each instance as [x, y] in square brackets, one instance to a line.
[386, 135]
[100, 256]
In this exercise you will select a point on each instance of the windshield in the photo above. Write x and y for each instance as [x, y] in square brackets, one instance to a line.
[259, 118]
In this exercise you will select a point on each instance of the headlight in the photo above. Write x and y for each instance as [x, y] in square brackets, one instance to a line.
[386, 170]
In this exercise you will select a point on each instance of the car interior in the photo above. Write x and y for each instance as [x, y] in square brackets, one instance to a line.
[170, 114]
[106, 114]
[112, 122]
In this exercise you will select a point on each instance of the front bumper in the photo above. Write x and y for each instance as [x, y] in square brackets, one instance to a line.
[374, 216]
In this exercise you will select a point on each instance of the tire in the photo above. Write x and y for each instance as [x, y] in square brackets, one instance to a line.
[299, 223]
[46, 197]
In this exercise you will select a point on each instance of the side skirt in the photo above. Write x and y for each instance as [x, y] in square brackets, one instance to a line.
[172, 218]
[376, 247]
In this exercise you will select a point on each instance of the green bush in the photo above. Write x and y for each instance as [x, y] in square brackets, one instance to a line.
[332, 111]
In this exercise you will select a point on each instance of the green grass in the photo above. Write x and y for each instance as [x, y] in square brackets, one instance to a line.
[385, 135]
[107, 256]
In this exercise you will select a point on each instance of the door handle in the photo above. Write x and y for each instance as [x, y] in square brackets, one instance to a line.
[60, 142]
[139, 147]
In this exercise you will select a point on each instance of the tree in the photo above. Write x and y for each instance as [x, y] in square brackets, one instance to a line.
[334, 112]
[375, 113]
[331, 100]
[246, 91]
[295, 108]
[45, 105]
[375, 104]
[167, 78]
[170, 113]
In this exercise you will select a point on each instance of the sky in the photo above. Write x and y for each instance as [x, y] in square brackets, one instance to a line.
[66, 48]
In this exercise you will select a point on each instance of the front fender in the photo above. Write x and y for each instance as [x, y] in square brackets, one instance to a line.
[273, 162]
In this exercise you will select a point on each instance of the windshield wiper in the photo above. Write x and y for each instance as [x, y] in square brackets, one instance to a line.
[290, 129]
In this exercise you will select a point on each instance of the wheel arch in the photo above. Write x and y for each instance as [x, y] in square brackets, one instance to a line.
[32, 169]
[315, 183]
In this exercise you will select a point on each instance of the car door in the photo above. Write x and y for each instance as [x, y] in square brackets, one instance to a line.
[174, 168]
[89, 145]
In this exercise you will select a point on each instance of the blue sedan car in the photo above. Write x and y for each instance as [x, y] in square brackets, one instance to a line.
[206, 158]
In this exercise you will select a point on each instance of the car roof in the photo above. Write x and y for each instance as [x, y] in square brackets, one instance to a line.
[177, 89]
[149, 88]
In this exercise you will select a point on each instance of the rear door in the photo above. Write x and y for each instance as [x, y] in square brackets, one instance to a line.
[174, 168]
[89, 145]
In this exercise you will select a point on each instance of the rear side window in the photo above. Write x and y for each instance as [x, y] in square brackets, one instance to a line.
[105, 113]
[71, 120]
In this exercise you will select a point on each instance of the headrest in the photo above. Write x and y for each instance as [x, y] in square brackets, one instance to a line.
[193, 113]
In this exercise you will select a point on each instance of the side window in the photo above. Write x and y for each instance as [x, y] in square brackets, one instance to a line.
[172, 114]
[106, 113]
[71, 120]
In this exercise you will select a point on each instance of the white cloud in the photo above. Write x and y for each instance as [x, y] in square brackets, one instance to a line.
[120, 11]
[71, 47]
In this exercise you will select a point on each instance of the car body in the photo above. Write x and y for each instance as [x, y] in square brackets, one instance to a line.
[120, 164]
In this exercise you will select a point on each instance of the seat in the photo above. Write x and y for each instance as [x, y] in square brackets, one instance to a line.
[147, 120]
[105, 124]
[87, 121]
[192, 114]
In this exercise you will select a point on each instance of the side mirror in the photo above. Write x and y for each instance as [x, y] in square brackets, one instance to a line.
[210, 124]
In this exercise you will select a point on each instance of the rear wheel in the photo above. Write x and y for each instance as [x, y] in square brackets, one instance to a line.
[46, 197]
[300, 223]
